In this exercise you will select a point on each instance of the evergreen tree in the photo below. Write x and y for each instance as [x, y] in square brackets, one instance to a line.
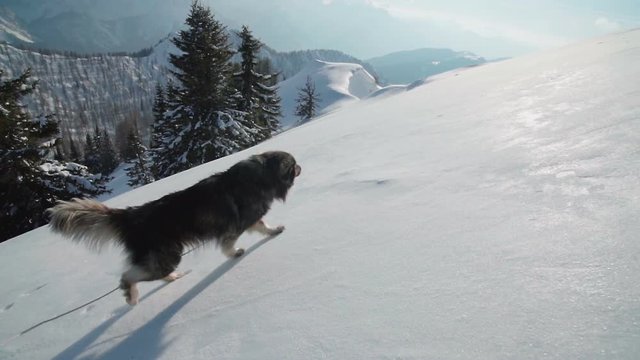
[30, 180]
[256, 84]
[91, 156]
[99, 154]
[163, 131]
[107, 153]
[74, 153]
[139, 170]
[203, 68]
[307, 101]
[200, 124]
[159, 104]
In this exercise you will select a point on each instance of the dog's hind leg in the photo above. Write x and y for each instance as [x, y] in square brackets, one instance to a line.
[128, 282]
[229, 247]
[262, 228]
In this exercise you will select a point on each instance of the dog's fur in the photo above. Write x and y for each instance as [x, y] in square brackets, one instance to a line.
[219, 208]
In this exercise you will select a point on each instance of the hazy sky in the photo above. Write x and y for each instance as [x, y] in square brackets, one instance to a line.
[367, 28]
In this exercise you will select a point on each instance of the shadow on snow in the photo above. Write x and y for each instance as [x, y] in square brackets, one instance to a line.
[147, 341]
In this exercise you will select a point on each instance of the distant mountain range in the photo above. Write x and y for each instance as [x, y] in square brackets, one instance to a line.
[103, 90]
[91, 26]
[405, 67]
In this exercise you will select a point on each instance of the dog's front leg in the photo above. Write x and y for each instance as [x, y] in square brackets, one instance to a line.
[264, 229]
[229, 247]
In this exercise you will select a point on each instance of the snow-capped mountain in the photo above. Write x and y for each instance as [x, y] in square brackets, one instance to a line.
[488, 215]
[405, 67]
[337, 84]
[292, 62]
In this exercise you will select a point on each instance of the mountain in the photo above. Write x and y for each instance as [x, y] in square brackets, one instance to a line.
[290, 63]
[97, 27]
[87, 91]
[337, 84]
[488, 215]
[82, 32]
[12, 29]
[405, 67]
[104, 90]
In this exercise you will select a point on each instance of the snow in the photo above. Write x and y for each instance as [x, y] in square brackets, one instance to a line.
[337, 84]
[118, 183]
[10, 28]
[488, 215]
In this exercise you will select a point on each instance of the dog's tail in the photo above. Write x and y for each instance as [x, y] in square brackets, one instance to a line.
[84, 220]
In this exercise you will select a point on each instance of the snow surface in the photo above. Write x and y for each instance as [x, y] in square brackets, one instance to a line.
[118, 183]
[489, 215]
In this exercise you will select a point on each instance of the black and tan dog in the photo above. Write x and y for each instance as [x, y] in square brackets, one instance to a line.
[219, 209]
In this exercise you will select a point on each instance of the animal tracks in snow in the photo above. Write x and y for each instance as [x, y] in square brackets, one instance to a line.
[25, 294]
[6, 308]
[28, 293]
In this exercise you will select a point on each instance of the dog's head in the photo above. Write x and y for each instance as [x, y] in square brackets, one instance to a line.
[281, 168]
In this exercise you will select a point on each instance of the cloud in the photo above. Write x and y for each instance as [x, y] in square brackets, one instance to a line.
[607, 25]
[409, 11]
[327, 2]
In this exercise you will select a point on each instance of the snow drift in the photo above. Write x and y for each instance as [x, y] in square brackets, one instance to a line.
[489, 215]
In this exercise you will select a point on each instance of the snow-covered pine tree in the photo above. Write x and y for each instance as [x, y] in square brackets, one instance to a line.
[307, 101]
[139, 169]
[30, 180]
[258, 92]
[200, 121]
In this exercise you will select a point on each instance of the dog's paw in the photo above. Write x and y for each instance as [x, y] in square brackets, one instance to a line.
[131, 298]
[277, 230]
[239, 252]
[131, 301]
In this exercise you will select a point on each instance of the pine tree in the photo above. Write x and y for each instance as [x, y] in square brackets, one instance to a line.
[107, 153]
[159, 106]
[99, 154]
[258, 93]
[139, 170]
[74, 153]
[30, 180]
[91, 156]
[163, 131]
[200, 124]
[307, 101]
[203, 68]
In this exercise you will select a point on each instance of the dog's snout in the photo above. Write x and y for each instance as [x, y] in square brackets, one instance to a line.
[298, 170]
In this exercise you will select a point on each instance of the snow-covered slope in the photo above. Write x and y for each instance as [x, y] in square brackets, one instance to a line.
[337, 84]
[489, 215]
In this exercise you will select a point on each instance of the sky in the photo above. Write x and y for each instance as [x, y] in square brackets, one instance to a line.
[369, 28]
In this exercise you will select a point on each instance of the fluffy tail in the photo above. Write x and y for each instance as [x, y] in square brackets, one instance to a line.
[84, 220]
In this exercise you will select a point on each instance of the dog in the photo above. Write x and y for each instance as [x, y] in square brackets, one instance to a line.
[154, 235]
